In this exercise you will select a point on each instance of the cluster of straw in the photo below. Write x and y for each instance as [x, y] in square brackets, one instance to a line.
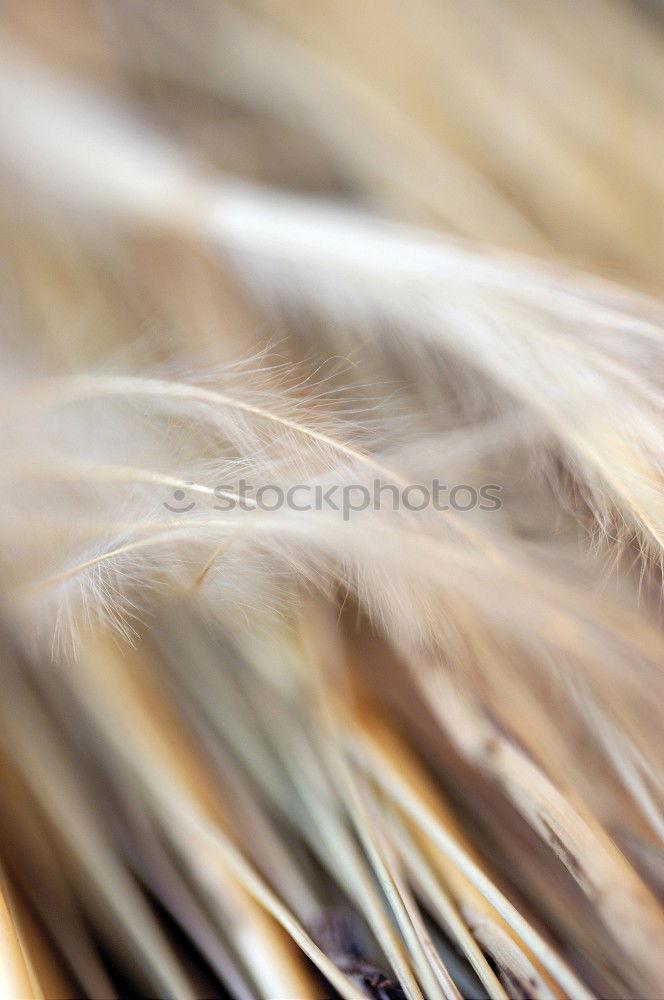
[287, 753]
